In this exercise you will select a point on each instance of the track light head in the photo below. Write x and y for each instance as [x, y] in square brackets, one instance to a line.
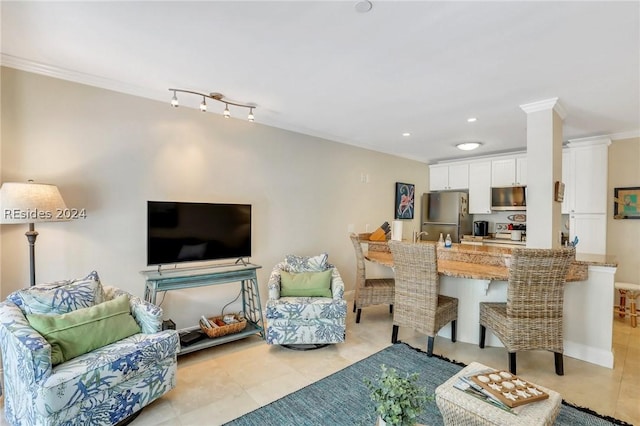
[174, 100]
[226, 112]
[203, 105]
[251, 117]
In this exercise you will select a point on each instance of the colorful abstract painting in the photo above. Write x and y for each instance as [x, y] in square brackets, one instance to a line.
[405, 200]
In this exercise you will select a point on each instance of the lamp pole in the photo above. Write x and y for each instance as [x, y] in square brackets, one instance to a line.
[32, 234]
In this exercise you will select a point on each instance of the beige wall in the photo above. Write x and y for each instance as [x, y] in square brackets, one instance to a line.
[623, 235]
[110, 153]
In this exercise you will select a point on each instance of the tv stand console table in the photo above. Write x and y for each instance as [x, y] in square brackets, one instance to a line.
[181, 278]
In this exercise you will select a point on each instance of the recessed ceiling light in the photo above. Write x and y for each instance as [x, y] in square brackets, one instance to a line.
[472, 119]
[363, 6]
[468, 146]
[406, 134]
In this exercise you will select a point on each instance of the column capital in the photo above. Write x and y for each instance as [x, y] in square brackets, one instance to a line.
[544, 105]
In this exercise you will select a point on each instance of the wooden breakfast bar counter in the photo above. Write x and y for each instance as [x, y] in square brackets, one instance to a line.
[475, 274]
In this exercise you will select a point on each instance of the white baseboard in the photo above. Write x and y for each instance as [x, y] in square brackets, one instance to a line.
[589, 354]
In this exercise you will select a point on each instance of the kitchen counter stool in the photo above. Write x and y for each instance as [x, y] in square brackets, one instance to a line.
[632, 291]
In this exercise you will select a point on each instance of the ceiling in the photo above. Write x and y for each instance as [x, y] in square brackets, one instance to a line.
[324, 69]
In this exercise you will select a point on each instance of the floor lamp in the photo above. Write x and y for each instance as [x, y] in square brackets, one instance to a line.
[30, 203]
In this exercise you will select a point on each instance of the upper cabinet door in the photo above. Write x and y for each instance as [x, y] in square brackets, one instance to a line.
[438, 178]
[568, 180]
[480, 187]
[509, 171]
[503, 172]
[521, 171]
[444, 177]
[590, 172]
[458, 176]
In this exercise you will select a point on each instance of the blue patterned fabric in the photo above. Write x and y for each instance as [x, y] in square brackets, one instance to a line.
[306, 264]
[98, 388]
[305, 320]
[60, 297]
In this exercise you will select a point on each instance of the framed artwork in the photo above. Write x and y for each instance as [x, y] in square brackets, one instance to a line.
[405, 200]
[626, 203]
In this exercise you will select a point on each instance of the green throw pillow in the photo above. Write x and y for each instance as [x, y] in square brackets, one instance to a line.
[83, 330]
[306, 284]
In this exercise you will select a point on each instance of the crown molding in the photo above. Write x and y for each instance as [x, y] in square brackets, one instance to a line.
[79, 77]
[625, 135]
[594, 140]
[545, 105]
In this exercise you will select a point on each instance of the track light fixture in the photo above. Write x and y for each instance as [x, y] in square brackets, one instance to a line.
[216, 97]
[174, 100]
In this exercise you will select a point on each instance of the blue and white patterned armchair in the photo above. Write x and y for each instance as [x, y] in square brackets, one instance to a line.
[305, 320]
[101, 387]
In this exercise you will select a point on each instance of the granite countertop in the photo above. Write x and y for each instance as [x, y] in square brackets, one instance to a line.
[486, 262]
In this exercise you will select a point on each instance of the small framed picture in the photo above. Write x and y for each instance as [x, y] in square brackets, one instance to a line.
[559, 193]
[626, 203]
[405, 200]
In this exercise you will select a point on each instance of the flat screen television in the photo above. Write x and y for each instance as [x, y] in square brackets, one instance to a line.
[186, 232]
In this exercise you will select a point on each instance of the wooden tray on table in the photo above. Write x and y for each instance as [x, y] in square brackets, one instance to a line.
[509, 388]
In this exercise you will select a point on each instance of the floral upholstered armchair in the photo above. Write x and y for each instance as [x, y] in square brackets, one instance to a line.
[306, 303]
[75, 353]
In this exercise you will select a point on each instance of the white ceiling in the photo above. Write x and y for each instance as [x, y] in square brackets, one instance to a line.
[323, 69]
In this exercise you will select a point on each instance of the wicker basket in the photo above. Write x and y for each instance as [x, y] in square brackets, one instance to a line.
[226, 329]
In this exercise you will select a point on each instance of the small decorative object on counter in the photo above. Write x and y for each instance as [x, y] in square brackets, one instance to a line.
[447, 241]
[441, 241]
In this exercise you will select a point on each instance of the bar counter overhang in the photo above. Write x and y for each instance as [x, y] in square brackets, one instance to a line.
[475, 274]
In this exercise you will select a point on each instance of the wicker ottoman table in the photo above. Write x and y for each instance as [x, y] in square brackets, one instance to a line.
[459, 408]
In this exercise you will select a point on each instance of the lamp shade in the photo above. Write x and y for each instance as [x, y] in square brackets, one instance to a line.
[31, 203]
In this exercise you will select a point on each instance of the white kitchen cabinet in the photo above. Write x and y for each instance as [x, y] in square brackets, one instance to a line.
[569, 181]
[510, 171]
[438, 177]
[590, 174]
[448, 176]
[521, 171]
[480, 187]
[591, 230]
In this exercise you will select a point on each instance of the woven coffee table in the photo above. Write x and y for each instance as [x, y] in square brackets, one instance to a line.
[458, 407]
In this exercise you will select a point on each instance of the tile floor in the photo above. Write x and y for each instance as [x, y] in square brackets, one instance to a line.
[218, 384]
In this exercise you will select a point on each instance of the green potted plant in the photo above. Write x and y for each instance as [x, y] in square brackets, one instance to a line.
[398, 400]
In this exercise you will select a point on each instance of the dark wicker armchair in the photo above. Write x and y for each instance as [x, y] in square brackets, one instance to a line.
[418, 304]
[532, 317]
[369, 291]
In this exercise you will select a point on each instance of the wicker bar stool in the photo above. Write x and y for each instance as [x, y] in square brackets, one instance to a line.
[369, 291]
[418, 304]
[631, 291]
[532, 318]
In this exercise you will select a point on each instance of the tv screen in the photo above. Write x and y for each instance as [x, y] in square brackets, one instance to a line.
[186, 232]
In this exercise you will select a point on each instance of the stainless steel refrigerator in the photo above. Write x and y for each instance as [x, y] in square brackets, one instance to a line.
[446, 213]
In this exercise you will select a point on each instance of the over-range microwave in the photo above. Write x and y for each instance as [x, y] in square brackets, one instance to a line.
[509, 198]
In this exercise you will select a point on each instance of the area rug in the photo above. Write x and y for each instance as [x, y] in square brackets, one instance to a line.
[343, 398]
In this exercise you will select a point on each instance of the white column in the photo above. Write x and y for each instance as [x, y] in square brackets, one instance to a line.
[544, 169]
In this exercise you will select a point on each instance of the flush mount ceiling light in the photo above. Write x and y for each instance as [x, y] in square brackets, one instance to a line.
[471, 120]
[406, 134]
[468, 146]
[216, 97]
